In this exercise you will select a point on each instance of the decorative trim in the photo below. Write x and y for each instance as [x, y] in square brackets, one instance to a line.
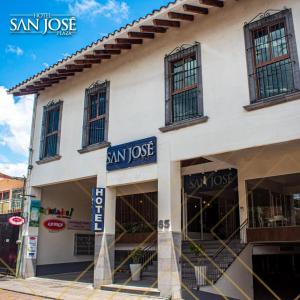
[53, 102]
[263, 15]
[279, 99]
[94, 147]
[183, 124]
[96, 85]
[181, 48]
[48, 159]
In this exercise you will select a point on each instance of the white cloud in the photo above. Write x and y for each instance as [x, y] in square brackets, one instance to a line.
[112, 9]
[18, 169]
[33, 56]
[66, 54]
[14, 49]
[45, 65]
[15, 122]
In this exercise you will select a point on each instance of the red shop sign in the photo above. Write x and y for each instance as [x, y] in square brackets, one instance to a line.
[55, 225]
[16, 221]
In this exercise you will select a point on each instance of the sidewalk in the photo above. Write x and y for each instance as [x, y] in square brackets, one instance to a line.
[63, 290]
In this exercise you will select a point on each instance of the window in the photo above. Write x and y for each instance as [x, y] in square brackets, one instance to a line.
[96, 114]
[272, 56]
[84, 244]
[183, 84]
[51, 130]
[16, 199]
[4, 195]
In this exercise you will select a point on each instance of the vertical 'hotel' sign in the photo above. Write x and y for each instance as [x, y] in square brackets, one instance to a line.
[98, 205]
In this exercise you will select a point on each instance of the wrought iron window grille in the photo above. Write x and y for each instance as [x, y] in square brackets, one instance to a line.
[272, 60]
[96, 114]
[183, 83]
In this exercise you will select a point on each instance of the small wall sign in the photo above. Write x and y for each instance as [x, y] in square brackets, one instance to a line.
[58, 212]
[132, 154]
[32, 247]
[54, 225]
[79, 225]
[98, 206]
[34, 218]
[16, 221]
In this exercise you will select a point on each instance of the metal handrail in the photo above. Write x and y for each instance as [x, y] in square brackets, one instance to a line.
[148, 257]
[230, 238]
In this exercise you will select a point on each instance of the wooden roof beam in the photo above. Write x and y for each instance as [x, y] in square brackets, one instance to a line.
[195, 9]
[167, 23]
[55, 75]
[180, 16]
[106, 51]
[31, 91]
[50, 79]
[144, 35]
[129, 41]
[46, 83]
[97, 56]
[117, 46]
[75, 66]
[63, 71]
[152, 29]
[215, 3]
[87, 61]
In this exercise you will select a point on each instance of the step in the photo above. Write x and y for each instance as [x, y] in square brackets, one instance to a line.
[136, 290]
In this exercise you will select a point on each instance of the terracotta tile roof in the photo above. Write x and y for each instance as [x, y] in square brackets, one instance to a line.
[3, 176]
[176, 9]
[94, 44]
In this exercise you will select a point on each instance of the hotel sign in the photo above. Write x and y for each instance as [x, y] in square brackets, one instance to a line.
[132, 154]
[98, 205]
[210, 181]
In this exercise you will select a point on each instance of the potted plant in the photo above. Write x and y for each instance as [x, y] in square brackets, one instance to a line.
[200, 268]
[136, 266]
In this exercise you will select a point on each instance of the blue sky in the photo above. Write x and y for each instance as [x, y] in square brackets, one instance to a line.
[22, 55]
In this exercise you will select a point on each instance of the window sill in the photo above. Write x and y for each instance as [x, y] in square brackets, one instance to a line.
[183, 124]
[48, 159]
[273, 101]
[94, 147]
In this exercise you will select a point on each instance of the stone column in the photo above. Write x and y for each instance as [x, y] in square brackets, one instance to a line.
[28, 265]
[169, 227]
[105, 242]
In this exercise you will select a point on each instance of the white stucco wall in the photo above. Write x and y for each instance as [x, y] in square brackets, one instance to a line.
[137, 99]
[58, 247]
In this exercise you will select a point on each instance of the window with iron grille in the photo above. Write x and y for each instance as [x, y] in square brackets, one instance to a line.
[96, 114]
[84, 244]
[51, 130]
[272, 59]
[183, 84]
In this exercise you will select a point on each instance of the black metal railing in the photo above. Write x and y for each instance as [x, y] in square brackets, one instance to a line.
[149, 255]
[216, 256]
[228, 251]
[274, 79]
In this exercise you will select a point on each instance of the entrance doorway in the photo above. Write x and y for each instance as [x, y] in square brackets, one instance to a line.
[211, 205]
[8, 244]
[136, 239]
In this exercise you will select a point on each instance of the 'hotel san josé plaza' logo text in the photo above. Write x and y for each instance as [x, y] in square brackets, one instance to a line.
[43, 23]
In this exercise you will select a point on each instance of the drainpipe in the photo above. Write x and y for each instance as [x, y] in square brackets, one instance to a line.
[20, 268]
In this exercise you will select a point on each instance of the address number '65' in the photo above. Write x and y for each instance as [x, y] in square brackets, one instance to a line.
[164, 224]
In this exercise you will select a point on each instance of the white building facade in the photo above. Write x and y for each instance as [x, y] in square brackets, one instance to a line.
[215, 86]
